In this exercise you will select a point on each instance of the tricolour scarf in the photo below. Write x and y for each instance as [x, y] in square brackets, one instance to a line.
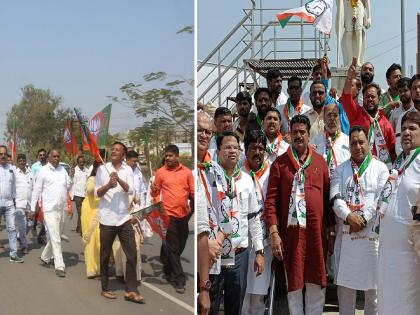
[297, 203]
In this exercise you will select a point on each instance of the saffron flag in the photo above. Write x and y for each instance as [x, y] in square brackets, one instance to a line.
[12, 141]
[85, 133]
[156, 216]
[318, 12]
[99, 125]
[69, 139]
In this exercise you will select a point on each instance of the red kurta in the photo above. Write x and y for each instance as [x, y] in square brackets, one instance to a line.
[359, 116]
[305, 249]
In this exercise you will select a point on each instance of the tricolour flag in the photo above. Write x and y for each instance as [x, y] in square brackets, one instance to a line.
[87, 136]
[318, 12]
[69, 139]
[99, 125]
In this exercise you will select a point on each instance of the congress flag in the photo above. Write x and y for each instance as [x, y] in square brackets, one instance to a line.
[318, 12]
[99, 125]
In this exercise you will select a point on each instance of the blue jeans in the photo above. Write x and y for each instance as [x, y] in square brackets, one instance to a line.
[9, 213]
[20, 222]
[233, 282]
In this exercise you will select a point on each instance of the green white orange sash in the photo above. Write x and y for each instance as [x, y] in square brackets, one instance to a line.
[273, 148]
[230, 222]
[297, 203]
[377, 140]
[259, 120]
[260, 195]
[329, 148]
[212, 174]
[288, 108]
[355, 197]
[401, 164]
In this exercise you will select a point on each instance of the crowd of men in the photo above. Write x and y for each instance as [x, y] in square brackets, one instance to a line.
[294, 183]
[43, 194]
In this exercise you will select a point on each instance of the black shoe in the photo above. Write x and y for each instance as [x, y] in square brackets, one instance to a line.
[60, 273]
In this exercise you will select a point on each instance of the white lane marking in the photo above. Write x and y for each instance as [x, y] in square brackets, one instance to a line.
[168, 296]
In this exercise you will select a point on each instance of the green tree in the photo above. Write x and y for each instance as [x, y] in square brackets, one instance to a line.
[39, 120]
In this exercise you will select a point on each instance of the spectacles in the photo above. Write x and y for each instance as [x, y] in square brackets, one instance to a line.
[1, 153]
[318, 92]
[207, 132]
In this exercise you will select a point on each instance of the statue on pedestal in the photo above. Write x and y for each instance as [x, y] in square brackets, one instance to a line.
[353, 18]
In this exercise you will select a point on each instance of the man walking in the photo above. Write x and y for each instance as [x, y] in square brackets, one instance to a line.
[51, 187]
[8, 202]
[175, 183]
[79, 175]
[42, 160]
[23, 199]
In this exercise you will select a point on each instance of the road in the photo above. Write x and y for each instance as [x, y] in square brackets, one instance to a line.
[30, 288]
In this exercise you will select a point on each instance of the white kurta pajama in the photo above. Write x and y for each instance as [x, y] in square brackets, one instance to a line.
[340, 153]
[356, 254]
[52, 185]
[399, 266]
[257, 287]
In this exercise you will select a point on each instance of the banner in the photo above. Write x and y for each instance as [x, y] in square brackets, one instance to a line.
[85, 133]
[99, 125]
[69, 139]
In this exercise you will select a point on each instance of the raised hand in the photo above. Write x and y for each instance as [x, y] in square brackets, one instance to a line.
[352, 72]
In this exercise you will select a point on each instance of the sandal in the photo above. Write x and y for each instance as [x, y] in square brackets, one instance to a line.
[134, 297]
[109, 295]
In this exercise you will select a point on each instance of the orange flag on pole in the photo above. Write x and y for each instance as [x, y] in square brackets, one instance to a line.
[69, 139]
[85, 133]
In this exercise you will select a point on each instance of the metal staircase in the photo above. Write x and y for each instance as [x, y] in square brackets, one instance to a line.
[255, 44]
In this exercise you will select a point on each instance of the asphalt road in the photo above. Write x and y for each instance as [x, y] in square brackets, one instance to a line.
[30, 288]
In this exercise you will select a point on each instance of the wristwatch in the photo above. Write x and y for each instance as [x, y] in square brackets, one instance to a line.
[261, 251]
[205, 285]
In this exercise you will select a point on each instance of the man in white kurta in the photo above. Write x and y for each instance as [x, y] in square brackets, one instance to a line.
[294, 105]
[355, 189]
[240, 221]
[51, 186]
[276, 146]
[333, 145]
[399, 266]
[259, 169]
[23, 199]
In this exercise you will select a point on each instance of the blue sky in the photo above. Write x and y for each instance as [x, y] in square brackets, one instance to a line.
[84, 51]
[217, 17]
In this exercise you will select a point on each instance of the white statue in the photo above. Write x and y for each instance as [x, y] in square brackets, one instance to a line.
[353, 18]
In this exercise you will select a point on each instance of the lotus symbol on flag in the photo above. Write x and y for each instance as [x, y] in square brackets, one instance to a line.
[316, 7]
[67, 136]
[95, 125]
